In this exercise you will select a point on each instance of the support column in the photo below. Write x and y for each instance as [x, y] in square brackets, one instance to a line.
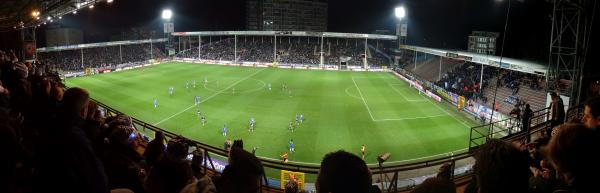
[440, 72]
[322, 57]
[121, 53]
[416, 53]
[81, 57]
[235, 49]
[199, 46]
[151, 54]
[275, 49]
[481, 78]
[365, 62]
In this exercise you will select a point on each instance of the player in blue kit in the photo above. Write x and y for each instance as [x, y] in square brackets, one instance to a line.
[155, 103]
[224, 131]
[291, 145]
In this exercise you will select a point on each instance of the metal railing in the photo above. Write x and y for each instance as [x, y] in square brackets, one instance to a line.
[505, 128]
[390, 175]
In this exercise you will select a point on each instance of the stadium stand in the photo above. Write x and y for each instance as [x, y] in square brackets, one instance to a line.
[70, 60]
[290, 50]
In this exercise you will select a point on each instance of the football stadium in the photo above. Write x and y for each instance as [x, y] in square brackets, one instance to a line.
[286, 105]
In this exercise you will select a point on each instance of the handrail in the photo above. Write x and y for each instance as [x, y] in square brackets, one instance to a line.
[306, 168]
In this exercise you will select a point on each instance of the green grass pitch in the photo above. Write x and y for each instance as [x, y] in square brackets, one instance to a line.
[342, 109]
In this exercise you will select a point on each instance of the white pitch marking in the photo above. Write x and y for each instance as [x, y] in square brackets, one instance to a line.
[411, 118]
[403, 96]
[450, 115]
[209, 97]
[363, 99]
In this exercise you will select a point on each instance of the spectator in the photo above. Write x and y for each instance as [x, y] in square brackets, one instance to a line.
[343, 172]
[435, 185]
[570, 151]
[501, 167]
[124, 165]
[154, 149]
[557, 110]
[591, 114]
[526, 122]
[243, 174]
[172, 172]
[67, 161]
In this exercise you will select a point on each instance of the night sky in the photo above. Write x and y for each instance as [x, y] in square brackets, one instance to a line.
[431, 23]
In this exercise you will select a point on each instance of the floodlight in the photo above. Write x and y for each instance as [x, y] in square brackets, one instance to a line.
[109, 1]
[91, 6]
[167, 14]
[35, 13]
[74, 12]
[59, 17]
[400, 12]
[49, 18]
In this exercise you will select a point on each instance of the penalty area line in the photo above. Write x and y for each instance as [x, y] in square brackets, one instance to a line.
[363, 99]
[209, 97]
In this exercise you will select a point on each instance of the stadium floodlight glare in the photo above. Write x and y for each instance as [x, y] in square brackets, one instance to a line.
[74, 12]
[91, 6]
[49, 18]
[167, 14]
[109, 1]
[400, 12]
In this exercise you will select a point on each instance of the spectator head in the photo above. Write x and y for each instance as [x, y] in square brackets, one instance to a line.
[92, 111]
[591, 113]
[75, 100]
[177, 150]
[553, 96]
[445, 171]
[501, 167]
[243, 174]
[435, 185]
[57, 92]
[238, 144]
[570, 152]
[343, 172]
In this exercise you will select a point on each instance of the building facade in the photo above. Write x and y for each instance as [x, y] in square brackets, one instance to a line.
[286, 15]
[483, 42]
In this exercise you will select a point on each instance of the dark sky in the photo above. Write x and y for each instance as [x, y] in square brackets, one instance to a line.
[431, 23]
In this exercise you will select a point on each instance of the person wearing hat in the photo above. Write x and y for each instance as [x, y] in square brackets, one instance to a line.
[557, 109]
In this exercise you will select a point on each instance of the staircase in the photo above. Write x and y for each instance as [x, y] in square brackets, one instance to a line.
[535, 98]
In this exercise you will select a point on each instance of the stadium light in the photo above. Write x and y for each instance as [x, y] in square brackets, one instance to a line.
[92, 6]
[109, 1]
[400, 12]
[167, 14]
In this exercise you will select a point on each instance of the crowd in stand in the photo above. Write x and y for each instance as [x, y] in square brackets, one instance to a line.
[290, 50]
[465, 79]
[70, 60]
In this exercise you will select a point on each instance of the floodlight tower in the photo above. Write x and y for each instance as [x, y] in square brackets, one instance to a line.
[168, 28]
[401, 28]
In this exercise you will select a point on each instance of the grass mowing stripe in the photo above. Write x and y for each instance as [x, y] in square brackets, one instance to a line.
[209, 97]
